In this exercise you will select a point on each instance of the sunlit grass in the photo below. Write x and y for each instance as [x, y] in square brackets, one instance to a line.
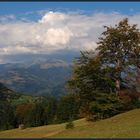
[126, 125]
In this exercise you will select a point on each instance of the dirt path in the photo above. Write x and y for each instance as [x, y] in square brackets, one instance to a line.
[52, 133]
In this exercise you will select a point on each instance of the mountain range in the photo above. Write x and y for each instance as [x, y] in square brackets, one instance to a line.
[38, 74]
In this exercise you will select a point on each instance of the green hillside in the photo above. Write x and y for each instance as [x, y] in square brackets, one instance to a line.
[126, 125]
[7, 94]
[14, 97]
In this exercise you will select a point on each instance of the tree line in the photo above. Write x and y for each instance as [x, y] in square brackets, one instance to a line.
[44, 111]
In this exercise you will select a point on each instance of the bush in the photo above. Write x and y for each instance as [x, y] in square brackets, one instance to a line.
[69, 125]
[105, 106]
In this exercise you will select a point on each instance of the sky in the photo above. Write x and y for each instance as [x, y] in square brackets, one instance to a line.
[48, 27]
[23, 7]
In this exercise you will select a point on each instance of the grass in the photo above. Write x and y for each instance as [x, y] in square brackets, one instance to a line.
[125, 125]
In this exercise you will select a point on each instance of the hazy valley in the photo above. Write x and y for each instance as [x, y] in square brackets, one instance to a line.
[39, 74]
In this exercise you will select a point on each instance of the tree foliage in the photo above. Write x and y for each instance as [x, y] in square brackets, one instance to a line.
[67, 108]
[119, 47]
[99, 73]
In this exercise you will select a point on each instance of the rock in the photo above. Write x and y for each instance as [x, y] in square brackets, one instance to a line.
[21, 126]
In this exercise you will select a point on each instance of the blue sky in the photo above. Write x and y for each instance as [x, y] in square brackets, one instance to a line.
[22, 7]
[48, 27]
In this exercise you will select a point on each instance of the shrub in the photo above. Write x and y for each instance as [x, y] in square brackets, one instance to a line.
[69, 125]
[105, 106]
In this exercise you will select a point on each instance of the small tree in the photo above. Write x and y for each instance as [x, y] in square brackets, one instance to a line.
[67, 108]
[69, 125]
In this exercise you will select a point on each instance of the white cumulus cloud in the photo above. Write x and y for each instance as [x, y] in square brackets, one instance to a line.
[55, 36]
[53, 17]
[57, 31]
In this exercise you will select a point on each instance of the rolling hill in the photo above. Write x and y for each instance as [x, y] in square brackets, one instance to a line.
[37, 77]
[10, 96]
[37, 74]
[7, 94]
[125, 125]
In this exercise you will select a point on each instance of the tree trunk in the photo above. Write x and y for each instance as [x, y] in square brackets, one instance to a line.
[118, 77]
[117, 86]
[137, 82]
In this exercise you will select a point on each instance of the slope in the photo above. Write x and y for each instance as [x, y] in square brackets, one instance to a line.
[125, 125]
[7, 94]
[36, 78]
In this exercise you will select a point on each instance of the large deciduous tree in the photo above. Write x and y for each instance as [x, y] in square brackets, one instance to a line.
[119, 47]
[101, 71]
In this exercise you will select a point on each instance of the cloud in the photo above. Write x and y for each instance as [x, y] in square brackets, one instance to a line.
[56, 31]
[7, 18]
[53, 17]
[55, 36]
[18, 49]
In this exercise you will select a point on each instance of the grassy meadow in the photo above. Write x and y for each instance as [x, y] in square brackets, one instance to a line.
[125, 125]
